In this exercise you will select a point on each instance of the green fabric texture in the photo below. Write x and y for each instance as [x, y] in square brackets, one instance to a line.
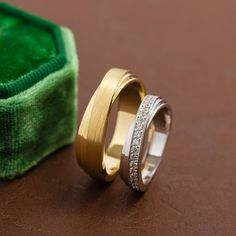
[42, 118]
[31, 48]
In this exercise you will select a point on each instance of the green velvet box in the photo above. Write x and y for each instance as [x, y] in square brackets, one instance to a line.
[38, 90]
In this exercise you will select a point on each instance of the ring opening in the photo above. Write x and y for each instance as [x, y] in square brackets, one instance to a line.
[128, 103]
[154, 143]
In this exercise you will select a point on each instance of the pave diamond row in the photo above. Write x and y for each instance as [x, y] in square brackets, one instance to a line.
[138, 133]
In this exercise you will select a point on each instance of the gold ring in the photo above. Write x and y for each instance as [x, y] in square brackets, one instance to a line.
[98, 161]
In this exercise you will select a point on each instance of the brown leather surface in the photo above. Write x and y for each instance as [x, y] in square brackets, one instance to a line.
[183, 50]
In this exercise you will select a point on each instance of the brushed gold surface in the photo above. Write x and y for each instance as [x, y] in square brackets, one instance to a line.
[100, 163]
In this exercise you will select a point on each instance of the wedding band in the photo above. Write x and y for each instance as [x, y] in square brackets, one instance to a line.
[98, 161]
[145, 143]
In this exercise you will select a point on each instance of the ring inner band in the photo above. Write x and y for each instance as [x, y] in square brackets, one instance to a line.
[154, 143]
[128, 103]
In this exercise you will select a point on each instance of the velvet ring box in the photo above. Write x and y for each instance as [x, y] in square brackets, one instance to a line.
[38, 90]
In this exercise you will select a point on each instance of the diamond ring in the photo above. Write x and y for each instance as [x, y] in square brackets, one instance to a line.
[145, 143]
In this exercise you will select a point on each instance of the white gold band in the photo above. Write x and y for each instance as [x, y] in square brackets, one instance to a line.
[145, 143]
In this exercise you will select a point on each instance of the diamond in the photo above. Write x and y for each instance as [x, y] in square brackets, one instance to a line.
[140, 122]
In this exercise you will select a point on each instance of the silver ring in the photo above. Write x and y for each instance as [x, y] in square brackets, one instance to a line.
[145, 143]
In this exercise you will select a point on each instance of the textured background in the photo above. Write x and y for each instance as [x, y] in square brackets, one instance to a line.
[183, 50]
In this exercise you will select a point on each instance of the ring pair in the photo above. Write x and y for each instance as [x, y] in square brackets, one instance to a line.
[141, 131]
